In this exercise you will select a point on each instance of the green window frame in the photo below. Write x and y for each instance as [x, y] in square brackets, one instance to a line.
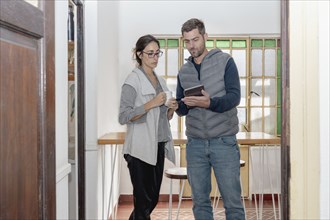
[259, 110]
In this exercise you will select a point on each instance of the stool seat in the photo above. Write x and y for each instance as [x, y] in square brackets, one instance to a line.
[176, 173]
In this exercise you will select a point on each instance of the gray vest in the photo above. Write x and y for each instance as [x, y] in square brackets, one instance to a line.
[201, 122]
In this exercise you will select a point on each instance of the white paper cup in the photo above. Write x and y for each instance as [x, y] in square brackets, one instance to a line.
[168, 97]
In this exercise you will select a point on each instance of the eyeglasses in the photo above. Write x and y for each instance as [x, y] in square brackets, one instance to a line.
[152, 55]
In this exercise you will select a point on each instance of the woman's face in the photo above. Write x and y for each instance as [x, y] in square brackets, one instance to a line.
[150, 55]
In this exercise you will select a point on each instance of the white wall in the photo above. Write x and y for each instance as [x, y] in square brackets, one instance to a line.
[63, 168]
[101, 46]
[138, 18]
[309, 104]
[91, 70]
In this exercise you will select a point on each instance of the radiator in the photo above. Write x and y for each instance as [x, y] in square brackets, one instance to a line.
[265, 169]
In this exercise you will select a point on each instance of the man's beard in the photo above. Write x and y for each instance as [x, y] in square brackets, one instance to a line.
[197, 53]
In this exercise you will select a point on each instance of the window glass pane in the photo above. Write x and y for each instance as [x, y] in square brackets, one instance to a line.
[174, 123]
[256, 120]
[35, 3]
[210, 44]
[279, 92]
[257, 43]
[256, 87]
[256, 62]
[270, 43]
[270, 62]
[183, 121]
[161, 43]
[226, 51]
[172, 62]
[186, 55]
[243, 92]
[172, 43]
[239, 44]
[241, 113]
[171, 84]
[270, 120]
[240, 60]
[279, 62]
[279, 121]
[270, 92]
[223, 43]
[160, 69]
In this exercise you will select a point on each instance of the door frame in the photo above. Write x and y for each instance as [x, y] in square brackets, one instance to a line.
[48, 115]
[81, 122]
[285, 133]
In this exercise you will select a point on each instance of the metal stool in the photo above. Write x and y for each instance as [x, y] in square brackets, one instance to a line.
[217, 198]
[179, 173]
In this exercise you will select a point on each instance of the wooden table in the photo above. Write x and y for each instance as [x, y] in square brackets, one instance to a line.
[114, 139]
[244, 138]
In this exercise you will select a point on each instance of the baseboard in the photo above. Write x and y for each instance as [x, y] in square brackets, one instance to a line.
[265, 197]
[175, 198]
[162, 198]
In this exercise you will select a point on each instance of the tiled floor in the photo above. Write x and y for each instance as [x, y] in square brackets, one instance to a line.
[161, 211]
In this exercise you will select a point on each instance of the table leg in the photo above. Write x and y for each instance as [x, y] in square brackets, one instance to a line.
[118, 184]
[270, 181]
[103, 172]
[261, 200]
[111, 184]
[253, 178]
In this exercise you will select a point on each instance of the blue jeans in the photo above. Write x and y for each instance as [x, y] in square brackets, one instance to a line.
[223, 155]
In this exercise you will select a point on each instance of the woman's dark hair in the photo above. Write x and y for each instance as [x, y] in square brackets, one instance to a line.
[192, 24]
[141, 43]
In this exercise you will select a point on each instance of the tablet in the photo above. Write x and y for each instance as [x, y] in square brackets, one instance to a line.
[194, 91]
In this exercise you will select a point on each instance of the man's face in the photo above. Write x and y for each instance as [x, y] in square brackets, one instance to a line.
[195, 42]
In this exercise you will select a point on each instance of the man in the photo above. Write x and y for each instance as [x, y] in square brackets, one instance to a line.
[211, 123]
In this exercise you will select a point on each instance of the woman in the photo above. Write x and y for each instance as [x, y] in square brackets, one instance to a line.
[148, 138]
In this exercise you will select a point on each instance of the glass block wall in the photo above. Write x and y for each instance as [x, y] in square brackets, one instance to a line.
[258, 63]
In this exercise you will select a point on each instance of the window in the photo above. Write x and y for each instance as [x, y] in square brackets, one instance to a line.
[258, 63]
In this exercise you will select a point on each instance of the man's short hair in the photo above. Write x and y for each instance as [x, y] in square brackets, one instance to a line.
[192, 24]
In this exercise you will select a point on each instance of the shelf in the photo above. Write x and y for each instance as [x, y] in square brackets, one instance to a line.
[71, 68]
[71, 77]
[70, 45]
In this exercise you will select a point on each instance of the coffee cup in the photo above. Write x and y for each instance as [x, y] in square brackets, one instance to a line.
[169, 95]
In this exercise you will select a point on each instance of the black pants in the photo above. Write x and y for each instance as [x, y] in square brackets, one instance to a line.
[146, 180]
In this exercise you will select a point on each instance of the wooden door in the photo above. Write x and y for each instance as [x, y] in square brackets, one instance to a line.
[27, 110]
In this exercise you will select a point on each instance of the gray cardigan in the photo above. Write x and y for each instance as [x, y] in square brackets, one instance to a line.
[141, 137]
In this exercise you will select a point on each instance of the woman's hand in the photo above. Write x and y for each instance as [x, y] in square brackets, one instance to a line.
[172, 104]
[155, 102]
